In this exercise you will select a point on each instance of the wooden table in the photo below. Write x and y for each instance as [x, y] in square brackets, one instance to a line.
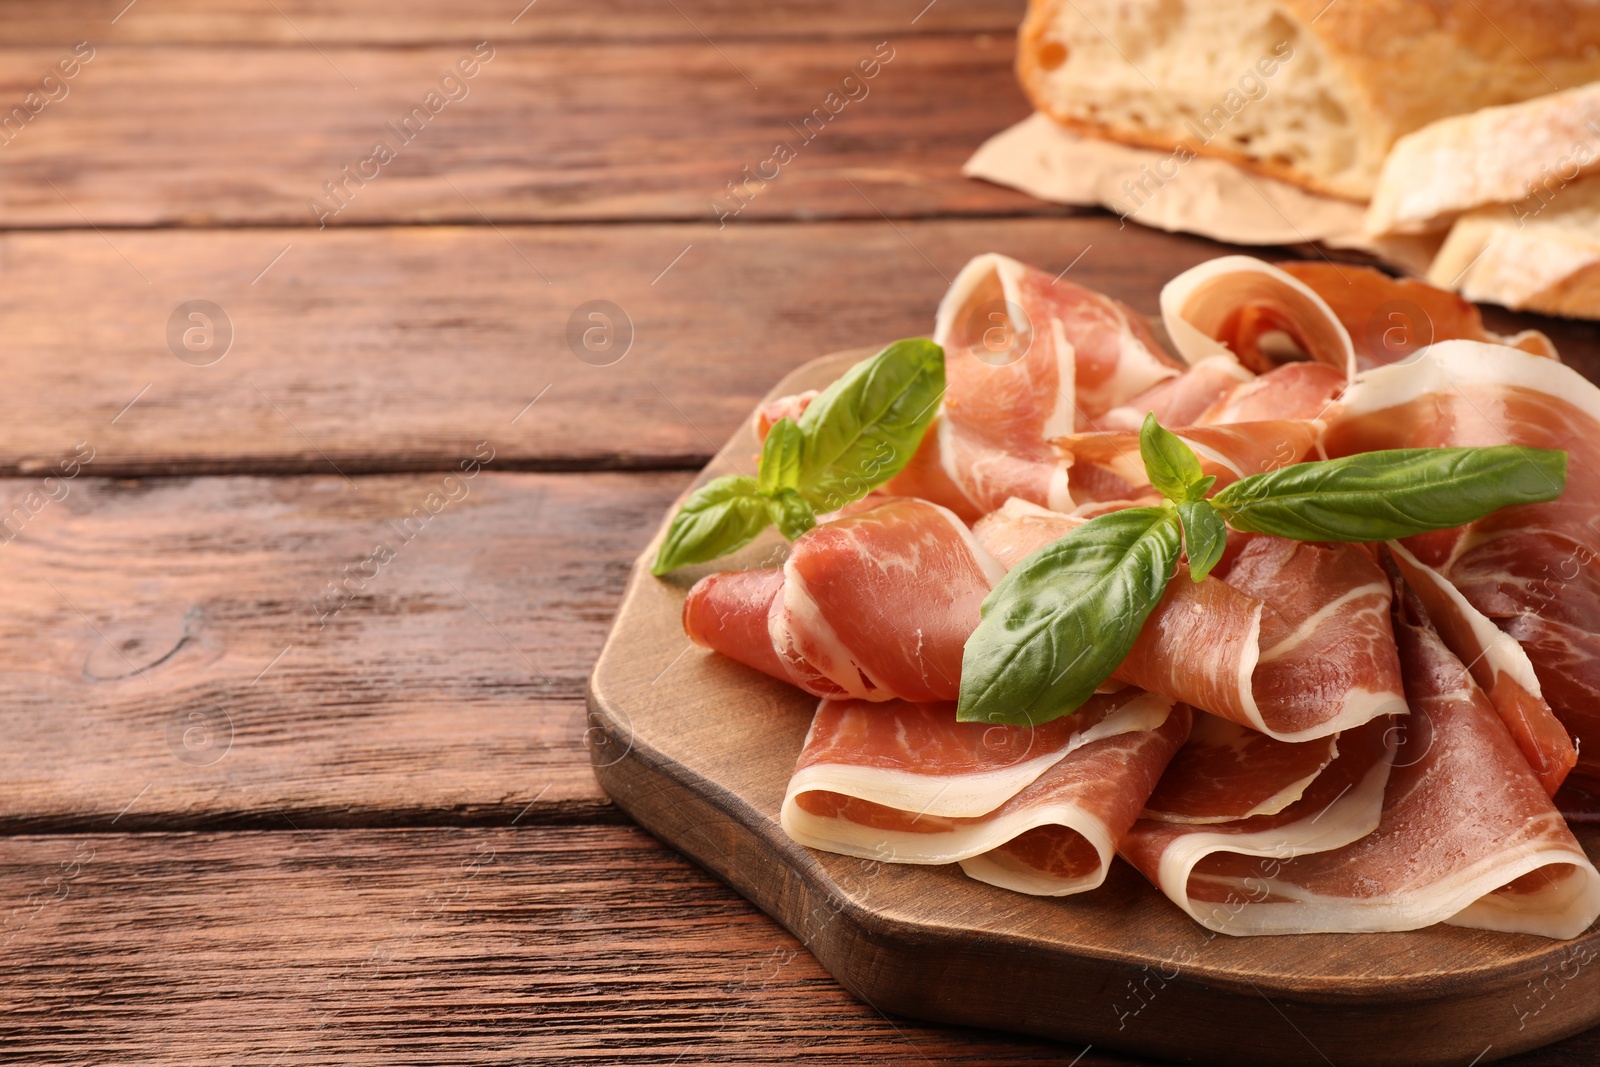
[293, 706]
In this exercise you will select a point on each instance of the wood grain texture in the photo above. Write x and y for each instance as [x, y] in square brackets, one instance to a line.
[399, 348]
[175, 657]
[552, 945]
[396, 349]
[702, 757]
[156, 135]
[294, 22]
[549, 946]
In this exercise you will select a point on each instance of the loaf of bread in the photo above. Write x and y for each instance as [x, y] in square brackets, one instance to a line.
[1524, 156]
[1310, 91]
[1549, 262]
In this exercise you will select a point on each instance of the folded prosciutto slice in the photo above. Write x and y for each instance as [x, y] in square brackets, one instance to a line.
[1108, 466]
[1183, 400]
[1292, 391]
[876, 604]
[1240, 304]
[1465, 834]
[1498, 664]
[1390, 319]
[1028, 357]
[1035, 809]
[1288, 638]
[1342, 316]
[1528, 568]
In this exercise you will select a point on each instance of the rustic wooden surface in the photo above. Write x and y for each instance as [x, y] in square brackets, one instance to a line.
[302, 897]
[571, 131]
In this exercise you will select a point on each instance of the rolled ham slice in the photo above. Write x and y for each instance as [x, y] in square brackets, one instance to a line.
[1239, 304]
[1287, 638]
[1529, 568]
[1183, 400]
[1035, 809]
[875, 605]
[1292, 391]
[1028, 357]
[1465, 834]
[1390, 319]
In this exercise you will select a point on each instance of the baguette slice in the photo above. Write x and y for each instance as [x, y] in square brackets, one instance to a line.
[1308, 91]
[1549, 262]
[1523, 155]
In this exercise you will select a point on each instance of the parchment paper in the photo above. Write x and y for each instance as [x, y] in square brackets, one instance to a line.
[1209, 197]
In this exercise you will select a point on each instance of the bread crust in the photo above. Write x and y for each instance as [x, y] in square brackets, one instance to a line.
[1403, 64]
[1523, 155]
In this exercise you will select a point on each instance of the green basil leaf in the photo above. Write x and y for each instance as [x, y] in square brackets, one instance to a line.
[1375, 496]
[723, 515]
[780, 457]
[1065, 617]
[791, 512]
[1204, 536]
[1172, 467]
[864, 428]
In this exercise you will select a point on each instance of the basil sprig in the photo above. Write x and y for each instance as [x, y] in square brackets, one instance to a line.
[1376, 496]
[854, 436]
[1062, 621]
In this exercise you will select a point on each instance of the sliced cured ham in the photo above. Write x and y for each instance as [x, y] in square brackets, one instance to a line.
[1183, 400]
[1028, 357]
[1241, 304]
[1036, 809]
[1214, 870]
[1108, 466]
[1292, 391]
[785, 407]
[1529, 568]
[876, 604]
[1466, 834]
[1284, 637]
[1391, 319]
[1225, 772]
[1500, 667]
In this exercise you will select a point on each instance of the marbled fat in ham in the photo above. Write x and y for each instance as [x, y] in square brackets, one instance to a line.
[1108, 466]
[1529, 568]
[1037, 809]
[877, 604]
[1028, 357]
[1288, 638]
[1465, 833]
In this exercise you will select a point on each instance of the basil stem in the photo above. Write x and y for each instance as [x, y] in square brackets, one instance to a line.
[1376, 496]
[854, 436]
[1065, 617]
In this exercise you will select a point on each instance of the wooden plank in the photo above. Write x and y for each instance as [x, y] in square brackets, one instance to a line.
[232, 135]
[181, 653]
[294, 22]
[556, 946]
[399, 349]
[703, 756]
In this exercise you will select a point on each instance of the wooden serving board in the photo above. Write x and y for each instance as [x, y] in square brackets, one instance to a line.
[699, 749]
